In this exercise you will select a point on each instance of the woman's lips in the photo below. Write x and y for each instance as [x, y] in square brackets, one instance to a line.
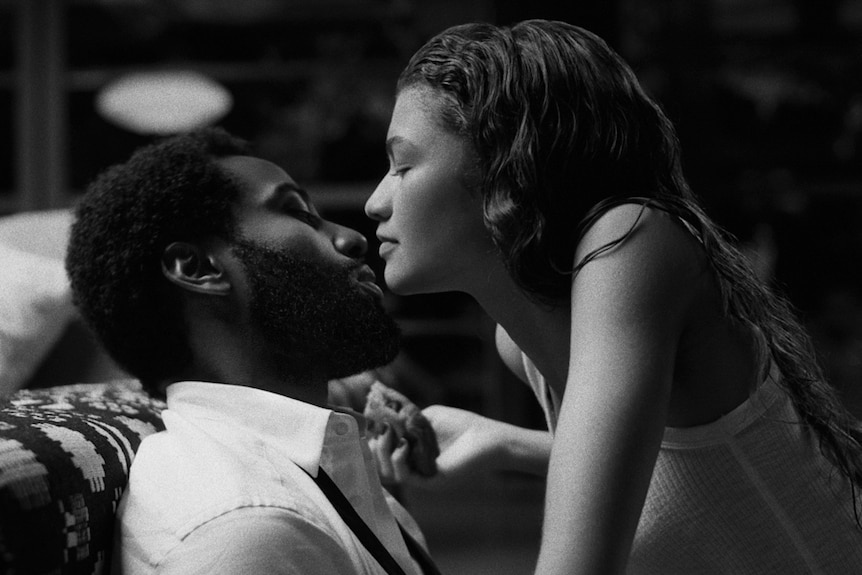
[386, 246]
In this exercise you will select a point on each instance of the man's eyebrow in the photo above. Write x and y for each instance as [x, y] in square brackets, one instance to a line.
[289, 187]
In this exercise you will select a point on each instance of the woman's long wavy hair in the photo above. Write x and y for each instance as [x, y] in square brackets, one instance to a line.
[562, 130]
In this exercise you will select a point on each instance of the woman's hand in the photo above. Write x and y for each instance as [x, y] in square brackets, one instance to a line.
[470, 445]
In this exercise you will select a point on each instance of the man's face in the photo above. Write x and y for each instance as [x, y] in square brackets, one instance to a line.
[313, 315]
[308, 291]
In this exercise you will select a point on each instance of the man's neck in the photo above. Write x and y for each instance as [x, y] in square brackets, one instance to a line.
[257, 374]
[234, 354]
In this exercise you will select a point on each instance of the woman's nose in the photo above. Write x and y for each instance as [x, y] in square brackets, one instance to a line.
[349, 242]
[378, 207]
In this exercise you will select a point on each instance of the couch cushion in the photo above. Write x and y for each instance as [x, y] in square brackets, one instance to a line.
[36, 306]
[64, 461]
[35, 309]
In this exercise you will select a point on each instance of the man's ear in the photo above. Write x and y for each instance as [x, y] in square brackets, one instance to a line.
[194, 268]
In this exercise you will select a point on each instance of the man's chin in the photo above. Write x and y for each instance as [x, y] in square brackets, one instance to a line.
[374, 353]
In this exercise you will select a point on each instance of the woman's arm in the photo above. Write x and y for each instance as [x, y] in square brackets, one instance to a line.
[628, 310]
[483, 443]
[470, 445]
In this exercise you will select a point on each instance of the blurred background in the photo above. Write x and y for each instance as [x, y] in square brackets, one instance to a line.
[766, 96]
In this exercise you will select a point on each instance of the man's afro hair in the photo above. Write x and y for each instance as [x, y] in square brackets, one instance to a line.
[168, 191]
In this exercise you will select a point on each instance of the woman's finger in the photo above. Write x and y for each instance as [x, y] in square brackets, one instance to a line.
[381, 458]
[381, 448]
[400, 466]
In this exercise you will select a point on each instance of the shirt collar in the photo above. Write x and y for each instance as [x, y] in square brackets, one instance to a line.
[268, 416]
[361, 420]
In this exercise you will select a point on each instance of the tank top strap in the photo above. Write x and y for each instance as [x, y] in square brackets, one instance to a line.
[603, 206]
[608, 203]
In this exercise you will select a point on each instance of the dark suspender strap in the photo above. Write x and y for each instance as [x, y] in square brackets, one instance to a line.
[355, 522]
[422, 557]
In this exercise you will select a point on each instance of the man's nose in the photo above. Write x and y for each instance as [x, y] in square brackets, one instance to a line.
[349, 242]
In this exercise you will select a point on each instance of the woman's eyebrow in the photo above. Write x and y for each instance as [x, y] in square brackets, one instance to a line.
[395, 141]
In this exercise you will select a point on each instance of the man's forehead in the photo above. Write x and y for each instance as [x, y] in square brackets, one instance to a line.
[260, 180]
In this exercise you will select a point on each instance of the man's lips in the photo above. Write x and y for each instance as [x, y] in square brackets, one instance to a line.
[365, 274]
[367, 280]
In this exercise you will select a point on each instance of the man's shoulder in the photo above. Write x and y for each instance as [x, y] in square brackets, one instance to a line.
[254, 540]
[179, 481]
[251, 536]
[192, 497]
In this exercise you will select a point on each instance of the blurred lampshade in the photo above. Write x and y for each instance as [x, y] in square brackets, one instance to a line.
[163, 102]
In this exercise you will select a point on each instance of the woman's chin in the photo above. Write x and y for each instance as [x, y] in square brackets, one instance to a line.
[402, 285]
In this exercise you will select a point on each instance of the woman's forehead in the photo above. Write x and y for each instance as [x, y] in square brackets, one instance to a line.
[416, 119]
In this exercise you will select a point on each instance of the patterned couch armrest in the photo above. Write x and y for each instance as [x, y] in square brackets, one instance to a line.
[64, 462]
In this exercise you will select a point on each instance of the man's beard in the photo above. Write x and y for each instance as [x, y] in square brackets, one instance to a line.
[313, 316]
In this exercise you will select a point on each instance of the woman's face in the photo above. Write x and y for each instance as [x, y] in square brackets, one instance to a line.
[430, 226]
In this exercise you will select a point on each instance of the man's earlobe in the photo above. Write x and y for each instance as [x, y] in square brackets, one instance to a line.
[193, 268]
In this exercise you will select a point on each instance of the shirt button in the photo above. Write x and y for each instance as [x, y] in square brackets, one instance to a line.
[341, 428]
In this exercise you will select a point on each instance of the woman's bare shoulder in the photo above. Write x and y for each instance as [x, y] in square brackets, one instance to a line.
[642, 265]
[643, 236]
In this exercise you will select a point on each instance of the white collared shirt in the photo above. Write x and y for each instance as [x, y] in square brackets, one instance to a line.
[221, 490]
